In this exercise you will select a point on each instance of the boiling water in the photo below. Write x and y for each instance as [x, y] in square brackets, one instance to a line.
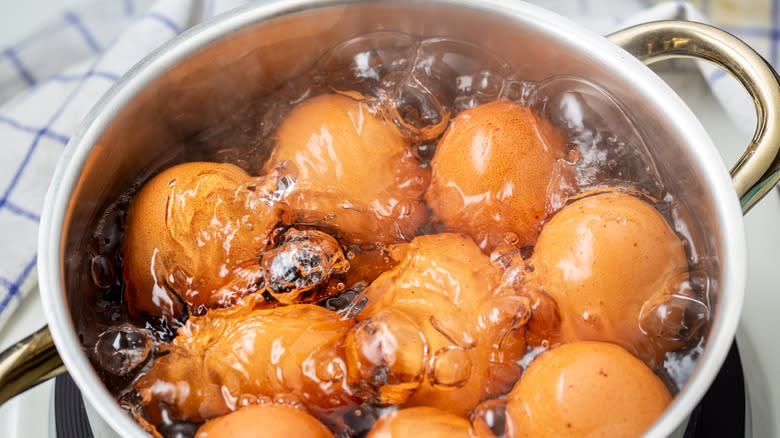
[420, 85]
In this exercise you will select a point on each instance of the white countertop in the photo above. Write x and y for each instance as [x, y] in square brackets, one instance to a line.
[19, 18]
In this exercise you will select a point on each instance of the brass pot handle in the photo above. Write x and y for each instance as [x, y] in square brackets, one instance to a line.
[758, 170]
[29, 362]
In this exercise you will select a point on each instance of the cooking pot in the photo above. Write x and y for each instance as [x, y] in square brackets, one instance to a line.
[211, 70]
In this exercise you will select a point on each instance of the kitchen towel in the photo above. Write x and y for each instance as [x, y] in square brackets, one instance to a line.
[51, 79]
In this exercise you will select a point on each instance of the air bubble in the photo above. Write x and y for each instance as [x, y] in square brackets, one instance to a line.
[121, 350]
[504, 255]
[355, 306]
[274, 186]
[510, 311]
[360, 63]
[481, 87]
[288, 399]
[677, 316]
[341, 303]
[252, 399]
[609, 145]
[402, 210]
[386, 357]
[331, 370]
[511, 238]
[455, 329]
[103, 275]
[414, 108]
[303, 260]
[450, 367]
[573, 156]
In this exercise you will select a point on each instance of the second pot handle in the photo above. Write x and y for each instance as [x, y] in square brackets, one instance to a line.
[29, 362]
[758, 170]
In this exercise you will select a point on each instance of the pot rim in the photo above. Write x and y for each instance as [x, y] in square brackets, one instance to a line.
[647, 84]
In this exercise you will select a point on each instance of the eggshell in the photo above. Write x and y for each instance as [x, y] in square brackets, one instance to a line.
[423, 422]
[603, 259]
[218, 358]
[491, 172]
[265, 421]
[185, 229]
[355, 171]
[437, 328]
[585, 390]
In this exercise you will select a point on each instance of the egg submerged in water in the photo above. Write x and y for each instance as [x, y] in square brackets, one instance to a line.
[423, 422]
[615, 270]
[229, 354]
[265, 421]
[435, 331]
[356, 173]
[491, 173]
[187, 228]
[584, 390]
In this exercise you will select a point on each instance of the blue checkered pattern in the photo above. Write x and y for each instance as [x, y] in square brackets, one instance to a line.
[49, 81]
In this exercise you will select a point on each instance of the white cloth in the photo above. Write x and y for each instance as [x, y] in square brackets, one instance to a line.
[50, 80]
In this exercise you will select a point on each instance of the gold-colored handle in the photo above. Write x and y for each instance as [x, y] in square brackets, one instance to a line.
[31, 361]
[758, 170]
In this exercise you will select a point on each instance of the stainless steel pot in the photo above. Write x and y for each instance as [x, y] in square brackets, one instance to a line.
[208, 71]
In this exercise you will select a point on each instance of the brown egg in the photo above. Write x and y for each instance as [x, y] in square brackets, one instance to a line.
[261, 421]
[583, 390]
[423, 422]
[435, 328]
[355, 172]
[491, 173]
[187, 228]
[239, 352]
[608, 260]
